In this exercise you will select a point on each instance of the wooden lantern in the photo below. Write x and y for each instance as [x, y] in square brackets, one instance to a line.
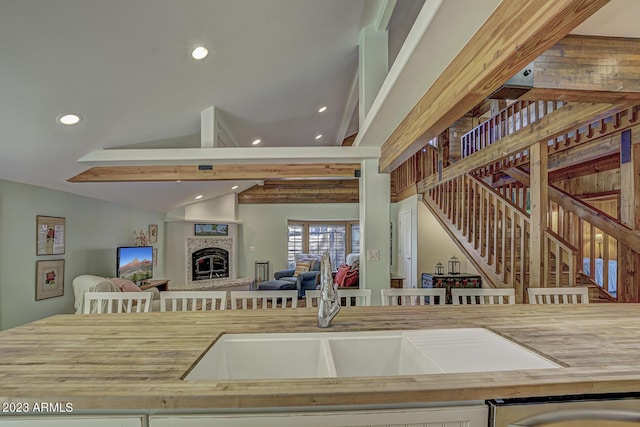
[439, 269]
[454, 265]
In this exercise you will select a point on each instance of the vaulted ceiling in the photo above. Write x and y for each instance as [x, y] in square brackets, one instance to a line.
[125, 67]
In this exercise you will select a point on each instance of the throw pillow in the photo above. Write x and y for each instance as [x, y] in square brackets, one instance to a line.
[125, 285]
[301, 267]
[341, 274]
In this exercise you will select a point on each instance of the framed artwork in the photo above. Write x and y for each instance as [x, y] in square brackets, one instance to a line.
[211, 229]
[49, 235]
[153, 233]
[155, 257]
[49, 279]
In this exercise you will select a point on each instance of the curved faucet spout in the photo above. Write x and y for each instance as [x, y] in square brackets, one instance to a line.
[329, 304]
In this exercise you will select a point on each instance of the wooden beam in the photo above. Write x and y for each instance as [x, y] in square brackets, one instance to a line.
[575, 95]
[515, 34]
[603, 164]
[218, 172]
[629, 260]
[538, 215]
[587, 152]
[302, 191]
[570, 116]
[599, 219]
[593, 68]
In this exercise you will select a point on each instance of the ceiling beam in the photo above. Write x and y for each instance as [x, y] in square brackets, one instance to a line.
[514, 35]
[217, 173]
[228, 155]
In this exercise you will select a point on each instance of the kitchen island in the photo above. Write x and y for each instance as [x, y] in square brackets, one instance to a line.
[102, 363]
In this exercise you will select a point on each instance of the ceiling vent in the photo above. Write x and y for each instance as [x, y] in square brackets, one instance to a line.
[516, 86]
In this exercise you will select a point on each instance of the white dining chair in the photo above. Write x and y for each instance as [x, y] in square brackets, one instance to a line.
[357, 297]
[117, 302]
[263, 299]
[193, 300]
[413, 296]
[312, 298]
[473, 296]
[573, 295]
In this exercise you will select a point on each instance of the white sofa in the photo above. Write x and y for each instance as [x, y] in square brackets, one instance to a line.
[89, 283]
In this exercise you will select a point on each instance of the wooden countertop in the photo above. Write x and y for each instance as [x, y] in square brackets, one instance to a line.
[136, 361]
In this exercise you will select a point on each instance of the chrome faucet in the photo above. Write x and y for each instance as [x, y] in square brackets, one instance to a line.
[329, 304]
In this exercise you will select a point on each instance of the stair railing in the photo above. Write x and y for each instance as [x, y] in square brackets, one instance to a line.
[497, 230]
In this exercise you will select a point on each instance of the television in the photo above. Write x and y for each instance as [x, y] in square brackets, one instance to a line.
[134, 263]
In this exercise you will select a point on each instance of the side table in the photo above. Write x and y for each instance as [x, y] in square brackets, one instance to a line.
[161, 284]
[448, 281]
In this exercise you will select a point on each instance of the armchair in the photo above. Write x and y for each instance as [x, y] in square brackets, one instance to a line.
[304, 280]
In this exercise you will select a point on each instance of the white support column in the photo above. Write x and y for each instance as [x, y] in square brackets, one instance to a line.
[208, 128]
[375, 269]
[373, 67]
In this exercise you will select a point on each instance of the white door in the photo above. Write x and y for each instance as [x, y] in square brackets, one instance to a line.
[405, 255]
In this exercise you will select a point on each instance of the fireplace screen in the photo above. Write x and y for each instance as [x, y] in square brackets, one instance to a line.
[209, 263]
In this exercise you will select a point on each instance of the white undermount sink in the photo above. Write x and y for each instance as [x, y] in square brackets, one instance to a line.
[356, 354]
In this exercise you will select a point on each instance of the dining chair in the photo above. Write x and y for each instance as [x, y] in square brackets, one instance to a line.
[354, 297]
[312, 298]
[413, 296]
[572, 295]
[473, 296]
[193, 300]
[117, 302]
[263, 299]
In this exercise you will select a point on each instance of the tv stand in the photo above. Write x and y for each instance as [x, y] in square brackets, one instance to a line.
[161, 284]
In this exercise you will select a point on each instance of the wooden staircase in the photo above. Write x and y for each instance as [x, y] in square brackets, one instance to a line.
[496, 227]
[494, 233]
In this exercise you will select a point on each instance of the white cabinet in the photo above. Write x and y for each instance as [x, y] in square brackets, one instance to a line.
[71, 421]
[454, 416]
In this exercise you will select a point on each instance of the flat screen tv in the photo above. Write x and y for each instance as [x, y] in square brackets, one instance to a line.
[134, 263]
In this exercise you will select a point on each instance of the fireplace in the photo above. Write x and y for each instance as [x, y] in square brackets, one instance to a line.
[209, 260]
[209, 263]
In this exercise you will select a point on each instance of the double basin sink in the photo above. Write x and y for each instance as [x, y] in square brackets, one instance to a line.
[358, 354]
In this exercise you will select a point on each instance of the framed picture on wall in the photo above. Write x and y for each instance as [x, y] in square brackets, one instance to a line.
[210, 229]
[50, 235]
[49, 279]
[153, 233]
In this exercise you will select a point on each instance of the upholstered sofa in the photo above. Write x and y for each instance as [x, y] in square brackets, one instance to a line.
[305, 278]
[89, 283]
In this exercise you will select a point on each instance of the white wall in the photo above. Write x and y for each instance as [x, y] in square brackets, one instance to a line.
[264, 228]
[93, 231]
[435, 245]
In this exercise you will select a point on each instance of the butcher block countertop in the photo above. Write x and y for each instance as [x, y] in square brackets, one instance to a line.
[136, 361]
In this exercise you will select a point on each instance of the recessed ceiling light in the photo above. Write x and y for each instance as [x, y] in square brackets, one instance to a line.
[256, 142]
[69, 119]
[178, 180]
[318, 136]
[322, 109]
[199, 53]
[234, 187]
[199, 196]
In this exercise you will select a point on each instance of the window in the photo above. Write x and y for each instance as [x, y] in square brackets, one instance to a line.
[339, 238]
